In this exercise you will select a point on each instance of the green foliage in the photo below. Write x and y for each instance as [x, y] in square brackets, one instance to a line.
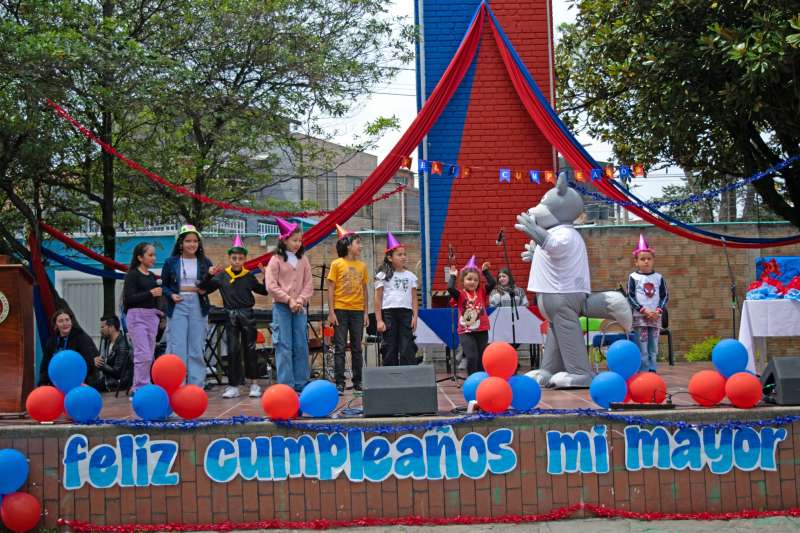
[701, 351]
[709, 87]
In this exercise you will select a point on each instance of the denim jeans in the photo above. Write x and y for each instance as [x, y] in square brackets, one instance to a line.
[143, 327]
[290, 337]
[187, 337]
[647, 339]
[350, 323]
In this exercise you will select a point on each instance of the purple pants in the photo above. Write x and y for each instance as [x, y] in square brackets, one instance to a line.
[143, 328]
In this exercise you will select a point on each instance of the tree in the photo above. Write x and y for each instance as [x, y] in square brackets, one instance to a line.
[712, 88]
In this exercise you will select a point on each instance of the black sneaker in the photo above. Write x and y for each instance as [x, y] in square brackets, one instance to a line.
[340, 388]
[357, 387]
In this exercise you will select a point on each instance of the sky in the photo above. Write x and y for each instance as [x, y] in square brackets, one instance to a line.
[398, 97]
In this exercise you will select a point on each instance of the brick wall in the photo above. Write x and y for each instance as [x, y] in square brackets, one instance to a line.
[485, 127]
[697, 275]
[528, 489]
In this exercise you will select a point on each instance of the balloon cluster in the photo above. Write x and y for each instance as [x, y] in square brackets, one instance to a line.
[731, 379]
[623, 382]
[67, 370]
[498, 388]
[167, 393]
[319, 398]
[19, 511]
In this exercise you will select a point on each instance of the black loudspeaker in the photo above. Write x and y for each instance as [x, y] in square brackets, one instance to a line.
[400, 390]
[781, 381]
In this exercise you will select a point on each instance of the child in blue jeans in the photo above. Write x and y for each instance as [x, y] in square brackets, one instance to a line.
[648, 296]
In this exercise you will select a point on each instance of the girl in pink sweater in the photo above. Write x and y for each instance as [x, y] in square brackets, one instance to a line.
[289, 283]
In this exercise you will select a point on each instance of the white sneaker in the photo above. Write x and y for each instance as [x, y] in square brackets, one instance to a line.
[231, 392]
[255, 391]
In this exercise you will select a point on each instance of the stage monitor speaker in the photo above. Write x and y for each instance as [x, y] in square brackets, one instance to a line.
[400, 390]
[781, 381]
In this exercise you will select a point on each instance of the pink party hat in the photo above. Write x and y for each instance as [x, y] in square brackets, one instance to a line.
[285, 227]
[342, 232]
[472, 263]
[391, 242]
[642, 247]
[237, 247]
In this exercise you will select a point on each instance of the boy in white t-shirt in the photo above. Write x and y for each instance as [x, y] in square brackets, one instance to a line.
[648, 296]
[396, 306]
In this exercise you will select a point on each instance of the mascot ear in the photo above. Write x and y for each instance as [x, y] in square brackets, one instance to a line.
[561, 183]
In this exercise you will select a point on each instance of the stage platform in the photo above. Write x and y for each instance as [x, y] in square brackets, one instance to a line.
[348, 469]
[449, 395]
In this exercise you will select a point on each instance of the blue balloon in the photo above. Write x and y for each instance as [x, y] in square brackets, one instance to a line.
[470, 388]
[151, 403]
[319, 398]
[13, 470]
[526, 392]
[67, 370]
[729, 357]
[624, 358]
[608, 387]
[83, 404]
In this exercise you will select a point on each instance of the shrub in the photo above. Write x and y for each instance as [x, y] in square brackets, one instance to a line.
[702, 350]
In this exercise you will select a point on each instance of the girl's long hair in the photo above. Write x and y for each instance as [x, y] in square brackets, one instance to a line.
[178, 248]
[63, 311]
[138, 250]
[281, 249]
[507, 272]
[386, 267]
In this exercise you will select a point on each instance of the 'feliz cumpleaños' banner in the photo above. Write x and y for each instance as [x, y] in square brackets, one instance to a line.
[139, 461]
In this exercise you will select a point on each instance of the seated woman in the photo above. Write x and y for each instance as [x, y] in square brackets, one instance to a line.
[501, 295]
[68, 335]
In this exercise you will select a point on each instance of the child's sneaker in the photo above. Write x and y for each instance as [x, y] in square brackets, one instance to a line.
[231, 392]
[255, 391]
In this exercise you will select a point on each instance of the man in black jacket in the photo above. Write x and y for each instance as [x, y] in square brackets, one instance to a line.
[116, 364]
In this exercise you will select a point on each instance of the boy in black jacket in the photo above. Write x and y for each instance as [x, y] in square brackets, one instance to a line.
[116, 365]
[236, 284]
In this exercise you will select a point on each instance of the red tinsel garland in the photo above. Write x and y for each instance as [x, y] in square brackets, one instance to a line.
[556, 514]
[180, 189]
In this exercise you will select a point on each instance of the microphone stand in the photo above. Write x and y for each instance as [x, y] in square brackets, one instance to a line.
[513, 288]
[734, 302]
[450, 353]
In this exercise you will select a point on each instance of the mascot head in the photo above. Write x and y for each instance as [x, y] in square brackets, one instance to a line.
[560, 205]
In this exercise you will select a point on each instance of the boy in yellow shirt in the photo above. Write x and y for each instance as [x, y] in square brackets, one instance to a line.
[347, 305]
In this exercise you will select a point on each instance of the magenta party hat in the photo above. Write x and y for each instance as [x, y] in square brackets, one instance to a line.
[391, 242]
[237, 247]
[642, 247]
[472, 263]
[285, 227]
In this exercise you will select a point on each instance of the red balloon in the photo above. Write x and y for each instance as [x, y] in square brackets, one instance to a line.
[707, 388]
[20, 511]
[189, 401]
[45, 403]
[169, 372]
[494, 395]
[647, 387]
[500, 360]
[280, 402]
[743, 390]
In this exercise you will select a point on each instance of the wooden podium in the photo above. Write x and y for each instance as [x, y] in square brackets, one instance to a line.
[16, 337]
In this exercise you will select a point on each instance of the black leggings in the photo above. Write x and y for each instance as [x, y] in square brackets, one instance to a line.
[398, 339]
[472, 345]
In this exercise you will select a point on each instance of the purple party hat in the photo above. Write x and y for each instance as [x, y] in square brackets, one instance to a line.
[391, 242]
[642, 247]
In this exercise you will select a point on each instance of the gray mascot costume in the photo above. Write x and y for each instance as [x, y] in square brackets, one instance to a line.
[560, 278]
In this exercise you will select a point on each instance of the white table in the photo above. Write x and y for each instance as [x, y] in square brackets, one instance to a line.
[527, 327]
[766, 318]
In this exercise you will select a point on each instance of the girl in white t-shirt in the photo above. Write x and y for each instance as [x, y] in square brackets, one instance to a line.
[396, 306]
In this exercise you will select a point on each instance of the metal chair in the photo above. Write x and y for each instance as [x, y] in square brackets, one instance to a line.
[373, 338]
[666, 331]
[607, 337]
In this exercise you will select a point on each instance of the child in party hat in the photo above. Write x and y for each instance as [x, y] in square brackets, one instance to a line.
[472, 298]
[290, 285]
[648, 296]
[347, 305]
[396, 305]
[236, 285]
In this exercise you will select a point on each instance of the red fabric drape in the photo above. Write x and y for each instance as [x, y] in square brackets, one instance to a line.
[85, 250]
[46, 295]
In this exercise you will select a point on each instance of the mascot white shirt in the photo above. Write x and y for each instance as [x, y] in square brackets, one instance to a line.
[560, 264]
